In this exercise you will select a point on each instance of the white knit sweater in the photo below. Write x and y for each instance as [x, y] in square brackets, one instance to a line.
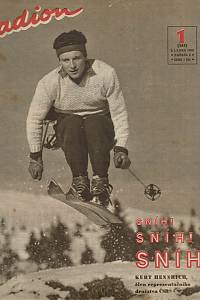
[98, 92]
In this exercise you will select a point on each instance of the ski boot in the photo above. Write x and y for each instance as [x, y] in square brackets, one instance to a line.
[80, 189]
[101, 191]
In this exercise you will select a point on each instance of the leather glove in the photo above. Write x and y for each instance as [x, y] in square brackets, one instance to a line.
[35, 167]
[121, 159]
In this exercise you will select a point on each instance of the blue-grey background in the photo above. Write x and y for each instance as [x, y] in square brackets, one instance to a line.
[162, 100]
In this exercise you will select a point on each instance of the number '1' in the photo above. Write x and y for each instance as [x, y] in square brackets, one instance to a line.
[181, 34]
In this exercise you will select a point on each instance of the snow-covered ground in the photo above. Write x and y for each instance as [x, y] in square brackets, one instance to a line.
[34, 285]
[36, 212]
[39, 211]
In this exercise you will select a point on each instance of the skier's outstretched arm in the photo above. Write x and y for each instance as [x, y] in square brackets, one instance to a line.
[119, 117]
[38, 110]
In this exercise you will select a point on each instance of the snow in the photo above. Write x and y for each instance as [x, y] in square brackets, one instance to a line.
[37, 211]
[32, 286]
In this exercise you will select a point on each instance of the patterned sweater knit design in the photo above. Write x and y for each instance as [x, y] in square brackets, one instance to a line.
[98, 93]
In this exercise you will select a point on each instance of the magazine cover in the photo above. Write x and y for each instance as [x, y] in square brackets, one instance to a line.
[99, 151]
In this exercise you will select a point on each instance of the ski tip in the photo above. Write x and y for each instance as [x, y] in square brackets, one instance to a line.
[50, 184]
[53, 187]
[51, 181]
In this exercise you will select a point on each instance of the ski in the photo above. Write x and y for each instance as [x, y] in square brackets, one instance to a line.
[94, 212]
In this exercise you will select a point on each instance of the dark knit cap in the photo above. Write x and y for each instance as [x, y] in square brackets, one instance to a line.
[70, 41]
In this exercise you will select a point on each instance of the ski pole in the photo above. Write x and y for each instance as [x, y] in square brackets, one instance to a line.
[151, 191]
[134, 175]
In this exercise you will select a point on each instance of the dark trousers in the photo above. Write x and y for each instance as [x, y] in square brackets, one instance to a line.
[82, 136]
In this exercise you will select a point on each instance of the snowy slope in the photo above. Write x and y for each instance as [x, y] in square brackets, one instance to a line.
[37, 212]
[34, 285]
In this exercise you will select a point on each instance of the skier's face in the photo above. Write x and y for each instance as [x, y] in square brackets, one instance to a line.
[73, 63]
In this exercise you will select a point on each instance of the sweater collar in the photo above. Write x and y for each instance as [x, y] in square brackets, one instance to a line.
[89, 69]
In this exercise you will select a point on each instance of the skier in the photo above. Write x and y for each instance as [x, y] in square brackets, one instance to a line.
[91, 118]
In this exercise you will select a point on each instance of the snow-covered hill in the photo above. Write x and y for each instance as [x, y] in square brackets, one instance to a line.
[39, 212]
[56, 284]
